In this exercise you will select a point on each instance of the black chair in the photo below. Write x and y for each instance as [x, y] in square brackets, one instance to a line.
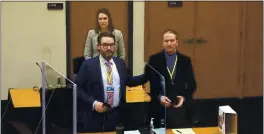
[193, 112]
[16, 127]
[77, 63]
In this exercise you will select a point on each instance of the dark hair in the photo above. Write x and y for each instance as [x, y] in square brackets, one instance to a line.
[171, 31]
[110, 21]
[104, 34]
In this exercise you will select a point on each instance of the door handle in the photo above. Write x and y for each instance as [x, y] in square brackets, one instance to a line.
[195, 41]
[190, 41]
[201, 41]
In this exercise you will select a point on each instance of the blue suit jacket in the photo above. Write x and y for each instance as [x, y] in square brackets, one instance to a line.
[90, 85]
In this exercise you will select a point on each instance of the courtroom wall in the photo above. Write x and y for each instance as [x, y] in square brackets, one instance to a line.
[30, 32]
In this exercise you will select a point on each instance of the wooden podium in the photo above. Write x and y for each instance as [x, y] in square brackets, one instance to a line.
[23, 99]
[201, 130]
[136, 94]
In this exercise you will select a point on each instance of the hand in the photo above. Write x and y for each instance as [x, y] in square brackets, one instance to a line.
[181, 100]
[98, 106]
[165, 101]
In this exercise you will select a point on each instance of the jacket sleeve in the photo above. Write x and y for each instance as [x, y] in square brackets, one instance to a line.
[88, 46]
[133, 81]
[121, 46]
[83, 85]
[155, 80]
[190, 80]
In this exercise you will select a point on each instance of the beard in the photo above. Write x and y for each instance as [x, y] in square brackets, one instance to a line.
[107, 55]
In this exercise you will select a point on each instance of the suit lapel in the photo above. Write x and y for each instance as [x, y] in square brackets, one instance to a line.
[177, 68]
[98, 71]
[164, 66]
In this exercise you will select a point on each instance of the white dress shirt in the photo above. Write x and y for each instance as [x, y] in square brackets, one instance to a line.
[116, 81]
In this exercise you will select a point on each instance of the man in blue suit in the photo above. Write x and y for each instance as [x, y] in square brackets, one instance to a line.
[102, 80]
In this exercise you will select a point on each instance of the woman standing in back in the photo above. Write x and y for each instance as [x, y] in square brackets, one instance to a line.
[104, 23]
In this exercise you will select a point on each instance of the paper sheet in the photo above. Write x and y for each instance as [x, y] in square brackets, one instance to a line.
[132, 132]
[183, 131]
[160, 131]
[227, 109]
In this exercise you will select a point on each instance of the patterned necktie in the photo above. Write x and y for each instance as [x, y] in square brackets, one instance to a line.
[109, 73]
[110, 91]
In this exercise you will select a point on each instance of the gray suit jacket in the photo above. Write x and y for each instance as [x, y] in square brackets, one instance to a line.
[90, 49]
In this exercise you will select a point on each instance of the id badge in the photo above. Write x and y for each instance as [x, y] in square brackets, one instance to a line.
[110, 89]
[110, 95]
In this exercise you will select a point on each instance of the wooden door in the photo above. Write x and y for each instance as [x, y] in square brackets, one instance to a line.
[83, 18]
[158, 17]
[217, 62]
[253, 50]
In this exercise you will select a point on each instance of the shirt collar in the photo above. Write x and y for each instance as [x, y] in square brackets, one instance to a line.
[113, 32]
[105, 61]
[170, 55]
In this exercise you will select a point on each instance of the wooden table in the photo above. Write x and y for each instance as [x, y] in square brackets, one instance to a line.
[136, 94]
[207, 130]
[202, 130]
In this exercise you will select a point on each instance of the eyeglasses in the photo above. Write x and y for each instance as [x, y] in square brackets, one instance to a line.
[105, 45]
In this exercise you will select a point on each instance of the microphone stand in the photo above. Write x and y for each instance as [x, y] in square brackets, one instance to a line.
[163, 84]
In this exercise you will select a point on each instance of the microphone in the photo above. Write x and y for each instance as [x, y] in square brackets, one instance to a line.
[103, 127]
[42, 72]
[172, 95]
[108, 108]
[161, 77]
